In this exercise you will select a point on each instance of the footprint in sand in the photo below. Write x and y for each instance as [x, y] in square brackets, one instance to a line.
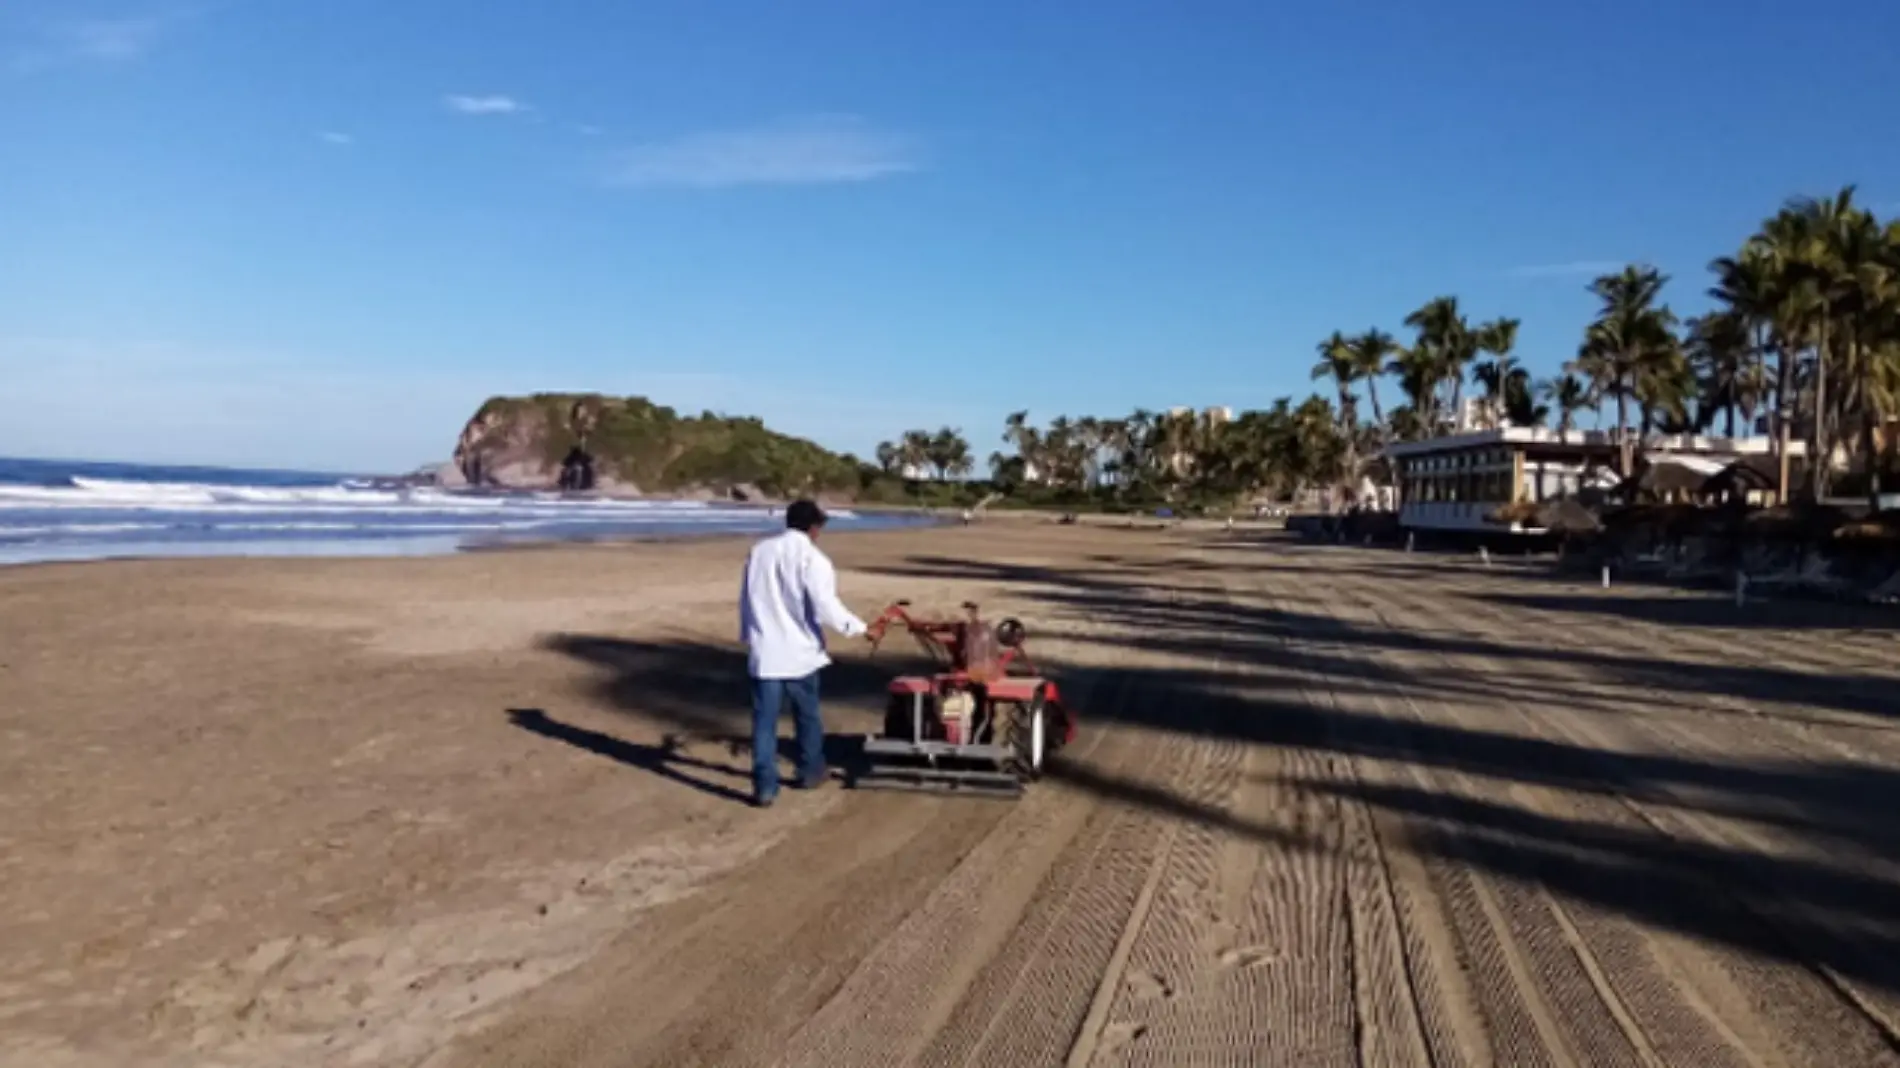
[1247, 956]
[1148, 986]
[1116, 1037]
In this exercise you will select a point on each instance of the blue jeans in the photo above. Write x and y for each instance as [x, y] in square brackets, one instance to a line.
[769, 697]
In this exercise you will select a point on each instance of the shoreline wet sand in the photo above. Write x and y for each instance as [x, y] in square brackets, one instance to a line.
[1328, 806]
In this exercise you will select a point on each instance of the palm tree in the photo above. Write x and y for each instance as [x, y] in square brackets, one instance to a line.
[1627, 342]
[949, 453]
[1418, 371]
[1665, 384]
[1813, 286]
[1868, 258]
[1370, 351]
[888, 456]
[1060, 453]
[1808, 246]
[1520, 400]
[1178, 440]
[1512, 402]
[1319, 449]
[1774, 285]
[1443, 333]
[1720, 352]
[1570, 395]
[1005, 469]
[1839, 239]
[1744, 286]
[1337, 362]
[1138, 452]
[1407, 424]
[1089, 439]
[1500, 378]
[1028, 443]
[914, 451]
[1490, 375]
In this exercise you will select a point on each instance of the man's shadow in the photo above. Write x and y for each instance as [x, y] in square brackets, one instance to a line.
[668, 761]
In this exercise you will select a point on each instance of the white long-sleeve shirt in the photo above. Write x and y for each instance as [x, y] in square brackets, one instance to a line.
[789, 594]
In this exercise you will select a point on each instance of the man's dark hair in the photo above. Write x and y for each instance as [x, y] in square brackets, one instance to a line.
[805, 516]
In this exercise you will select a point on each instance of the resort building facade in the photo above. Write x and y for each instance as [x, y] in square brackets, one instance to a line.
[1457, 481]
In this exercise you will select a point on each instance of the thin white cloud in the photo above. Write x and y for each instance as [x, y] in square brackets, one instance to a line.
[93, 41]
[111, 39]
[333, 137]
[484, 105]
[1573, 269]
[587, 130]
[809, 150]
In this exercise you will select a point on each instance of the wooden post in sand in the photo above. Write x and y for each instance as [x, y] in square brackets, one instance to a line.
[1606, 576]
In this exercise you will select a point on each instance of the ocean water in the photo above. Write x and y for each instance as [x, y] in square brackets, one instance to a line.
[55, 510]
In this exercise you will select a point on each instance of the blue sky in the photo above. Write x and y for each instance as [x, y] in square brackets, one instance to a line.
[319, 232]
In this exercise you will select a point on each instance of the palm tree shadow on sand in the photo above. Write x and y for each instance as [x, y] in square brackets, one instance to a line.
[1837, 908]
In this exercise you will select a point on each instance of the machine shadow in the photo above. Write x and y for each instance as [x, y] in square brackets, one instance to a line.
[695, 694]
[664, 760]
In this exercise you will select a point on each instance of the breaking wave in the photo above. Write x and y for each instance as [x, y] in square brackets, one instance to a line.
[54, 511]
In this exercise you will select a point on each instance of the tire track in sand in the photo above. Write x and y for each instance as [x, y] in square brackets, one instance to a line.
[1559, 1007]
[1266, 943]
[1725, 831]
[1729, 832]
[725, 976]
[1664, 1019]
[903, 991]
[1874, 732]
[1797, 1000]
[1042, 996]
[1181, 986]
[1028, 1004]
[1417, 1007]
[998, 964]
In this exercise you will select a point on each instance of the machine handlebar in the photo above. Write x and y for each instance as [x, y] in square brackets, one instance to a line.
[948, 640]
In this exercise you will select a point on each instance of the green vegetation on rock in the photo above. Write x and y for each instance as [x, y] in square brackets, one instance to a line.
[634, 442]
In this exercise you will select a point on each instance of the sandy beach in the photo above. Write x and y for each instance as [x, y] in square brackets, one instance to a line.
[1328, 806]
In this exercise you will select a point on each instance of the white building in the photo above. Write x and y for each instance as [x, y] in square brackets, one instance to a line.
[1455, 482]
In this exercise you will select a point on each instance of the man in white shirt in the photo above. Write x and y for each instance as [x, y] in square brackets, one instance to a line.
[789, 594]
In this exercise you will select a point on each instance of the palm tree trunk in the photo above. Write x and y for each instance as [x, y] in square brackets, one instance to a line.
[1347, 418]
[1818, 458]
[1869, 417]
[1622, 435]
[1729, 419]
[1784, 382]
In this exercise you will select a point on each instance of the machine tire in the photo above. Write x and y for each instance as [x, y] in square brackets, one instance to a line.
[1026, 734]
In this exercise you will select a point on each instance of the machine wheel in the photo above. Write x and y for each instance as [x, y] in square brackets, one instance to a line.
[1026, 734]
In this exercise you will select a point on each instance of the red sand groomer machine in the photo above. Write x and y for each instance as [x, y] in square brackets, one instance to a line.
[985, 722]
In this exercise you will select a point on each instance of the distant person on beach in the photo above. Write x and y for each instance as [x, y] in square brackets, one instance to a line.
[788, 595]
